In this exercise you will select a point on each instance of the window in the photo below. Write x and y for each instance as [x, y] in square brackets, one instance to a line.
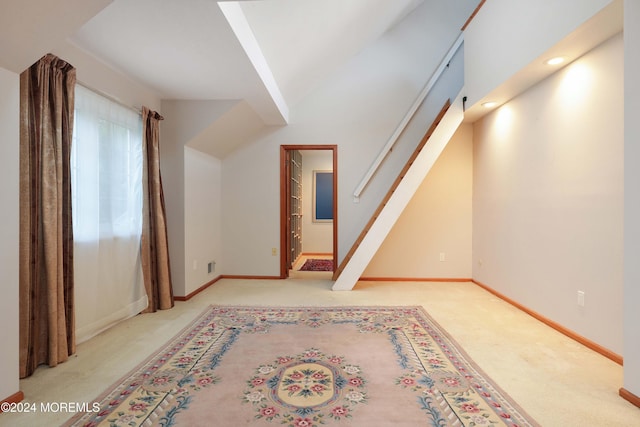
[106, 187]
[106, 168]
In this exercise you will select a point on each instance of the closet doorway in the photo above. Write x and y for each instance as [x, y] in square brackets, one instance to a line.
[298, 207]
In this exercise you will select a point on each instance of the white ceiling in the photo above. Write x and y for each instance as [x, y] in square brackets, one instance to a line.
[25, 32]
[181, 49]
[265, 55]
[188, 49]
[304, 40]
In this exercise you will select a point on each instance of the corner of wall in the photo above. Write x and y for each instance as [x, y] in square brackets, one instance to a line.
[9, 226]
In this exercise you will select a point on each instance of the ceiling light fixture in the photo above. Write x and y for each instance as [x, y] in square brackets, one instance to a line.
[555, 61]
[489, 104]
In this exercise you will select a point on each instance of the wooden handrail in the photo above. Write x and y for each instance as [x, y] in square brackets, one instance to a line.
[393, 188]
[473, 15]
[407, 117]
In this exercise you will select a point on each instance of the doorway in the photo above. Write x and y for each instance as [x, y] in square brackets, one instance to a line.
[291, 210]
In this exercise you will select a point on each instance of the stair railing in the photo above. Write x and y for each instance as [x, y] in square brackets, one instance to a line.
[407, 117]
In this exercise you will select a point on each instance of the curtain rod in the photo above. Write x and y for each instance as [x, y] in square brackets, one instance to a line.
[109, 97]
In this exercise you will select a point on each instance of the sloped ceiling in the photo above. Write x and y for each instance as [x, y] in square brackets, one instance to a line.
[304, 41]
[194, 50]
[27, 29]
[188, 49]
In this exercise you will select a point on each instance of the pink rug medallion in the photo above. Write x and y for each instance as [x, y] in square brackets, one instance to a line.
[315, 264]
[307, 367]
[306, 389]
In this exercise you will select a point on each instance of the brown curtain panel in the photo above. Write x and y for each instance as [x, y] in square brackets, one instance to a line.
[155, 247]
[47, 323]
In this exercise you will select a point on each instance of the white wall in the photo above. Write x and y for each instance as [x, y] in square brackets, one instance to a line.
[9, 226]
[357, 108]
[203, 238]
[317, 237]
[250, 210]
[523, 29]
[548, 196]
[185, 121]
[96, 75]
[631, 196]
[437, 220]
[172, 170]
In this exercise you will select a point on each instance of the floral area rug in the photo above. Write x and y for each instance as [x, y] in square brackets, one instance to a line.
[314, 264]
[308, 367]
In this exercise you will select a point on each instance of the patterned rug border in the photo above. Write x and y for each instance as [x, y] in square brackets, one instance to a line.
[168, 344]
[171, 342]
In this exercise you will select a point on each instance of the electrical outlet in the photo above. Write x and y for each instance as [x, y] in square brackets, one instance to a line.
[581, 298]
[274, 251]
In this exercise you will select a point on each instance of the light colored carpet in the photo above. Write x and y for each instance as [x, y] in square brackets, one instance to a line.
[556, 380]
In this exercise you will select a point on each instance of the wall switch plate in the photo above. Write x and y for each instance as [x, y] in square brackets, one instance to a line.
[581, 298]
[442, 256]
[274, 251]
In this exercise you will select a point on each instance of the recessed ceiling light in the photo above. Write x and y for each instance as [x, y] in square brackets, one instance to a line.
[489, 104]
[555, 61]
